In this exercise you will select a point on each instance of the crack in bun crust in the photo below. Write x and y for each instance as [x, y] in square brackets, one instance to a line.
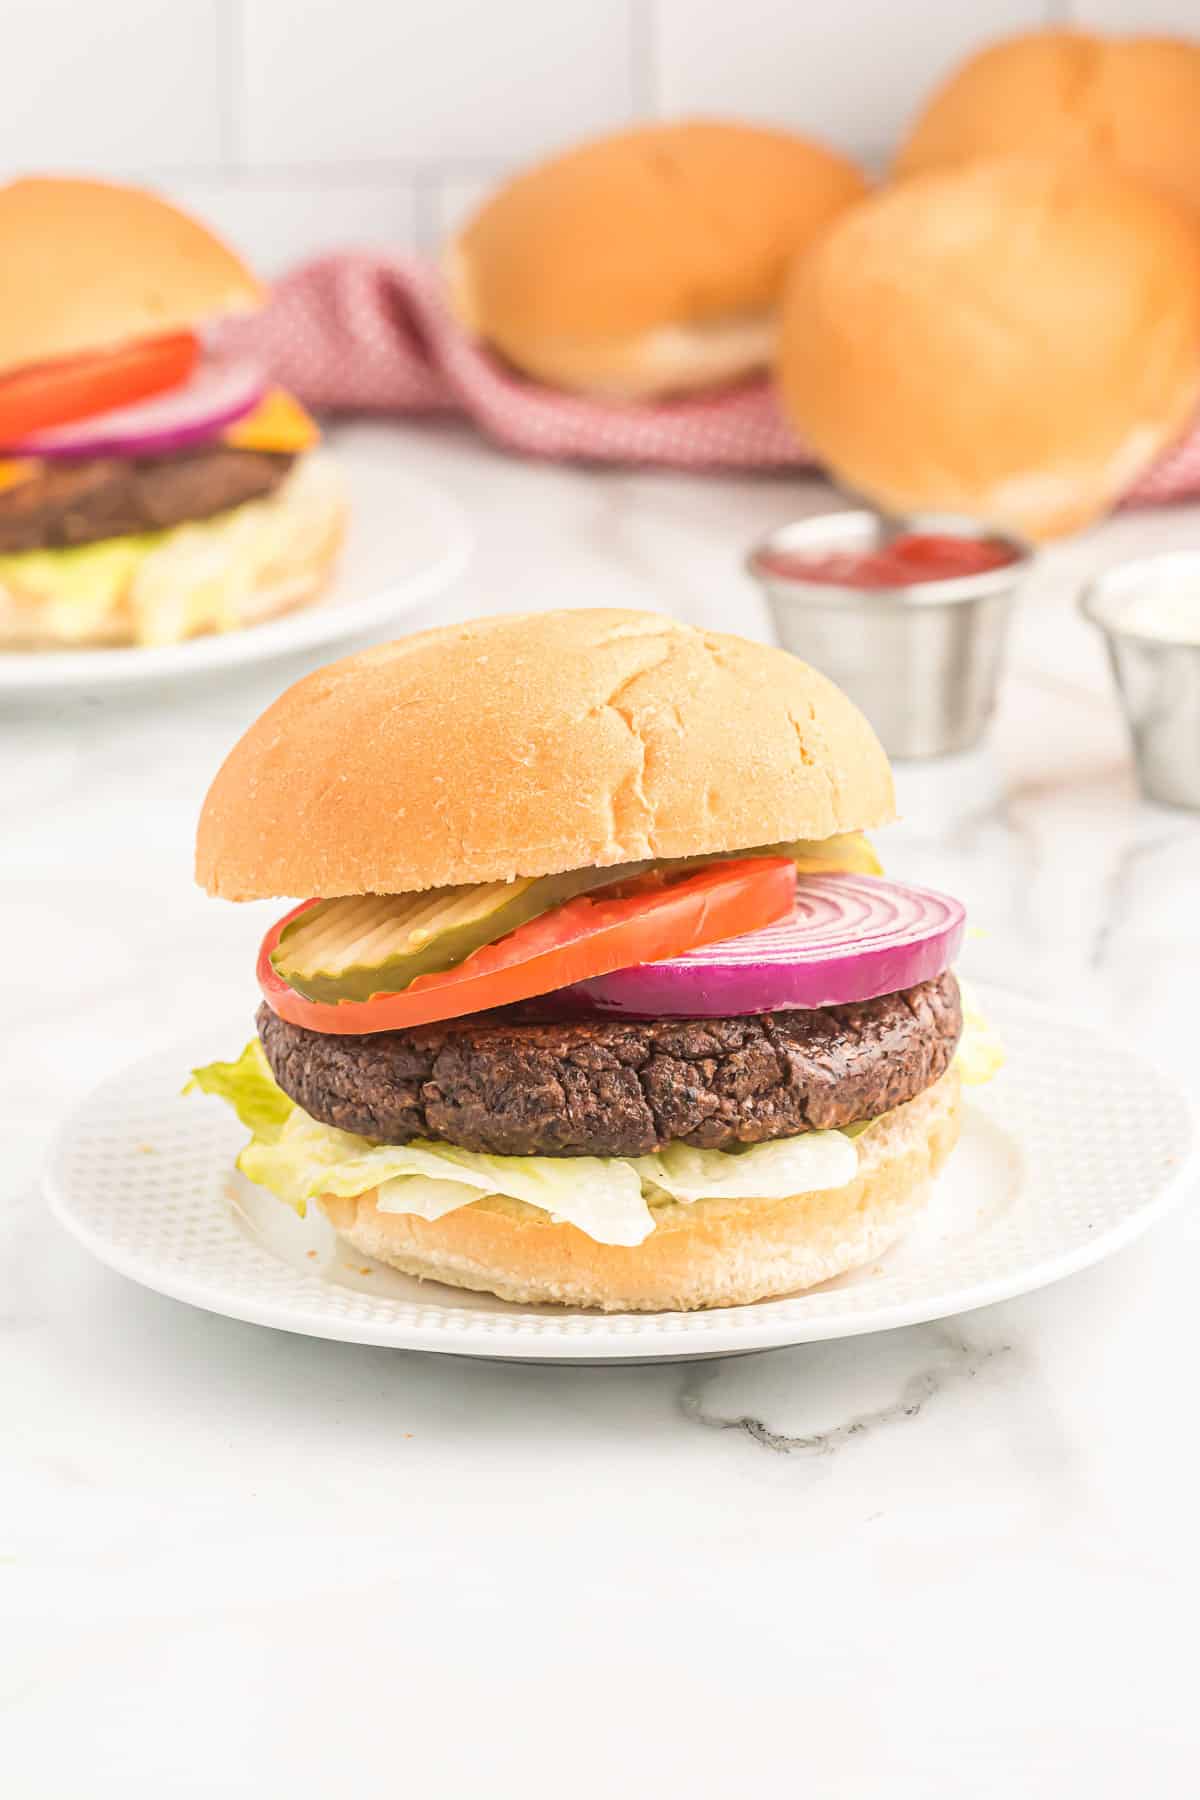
[529, 744]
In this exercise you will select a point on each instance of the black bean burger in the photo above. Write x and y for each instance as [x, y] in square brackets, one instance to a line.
[601, 998]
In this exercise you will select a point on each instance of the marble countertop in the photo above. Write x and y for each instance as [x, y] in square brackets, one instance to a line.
[954, 1560]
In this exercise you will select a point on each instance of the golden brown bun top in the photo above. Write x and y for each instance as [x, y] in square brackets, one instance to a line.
[678, 223]
[1133, 102]
[1015, 340]
[528, 744]
[89, 265]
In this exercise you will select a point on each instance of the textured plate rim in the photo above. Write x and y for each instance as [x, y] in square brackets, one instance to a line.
[31, 672]
[630, 1337]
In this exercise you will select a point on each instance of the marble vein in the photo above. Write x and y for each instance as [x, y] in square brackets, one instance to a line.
[960, 1361]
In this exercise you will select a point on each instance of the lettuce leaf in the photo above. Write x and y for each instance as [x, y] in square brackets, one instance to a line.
[797, 1165]
[599, 1195]
[250, 1088]
[80, 586]
[604, 1196]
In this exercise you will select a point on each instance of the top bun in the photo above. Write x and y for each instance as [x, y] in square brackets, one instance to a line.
[1131, 102]
[89, 265]
[1015, 340]
[648, 262]
[530, 744]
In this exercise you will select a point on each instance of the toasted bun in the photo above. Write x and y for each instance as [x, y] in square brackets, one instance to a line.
[310, 509]
[649, 262]
[1014, 340]
[711, 1253]
[89, 265]
[529, 744]
[1132, 102]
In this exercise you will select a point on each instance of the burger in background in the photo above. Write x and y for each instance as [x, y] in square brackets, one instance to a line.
[1132, 103]
[602, 1000]
[149, 490]
[1014, 340]
[647, 263]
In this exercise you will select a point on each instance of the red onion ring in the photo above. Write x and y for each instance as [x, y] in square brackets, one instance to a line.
[220, 391]
[851, 937]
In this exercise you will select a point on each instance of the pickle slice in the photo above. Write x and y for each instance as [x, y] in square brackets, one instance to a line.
[366, 944]
[849, 854]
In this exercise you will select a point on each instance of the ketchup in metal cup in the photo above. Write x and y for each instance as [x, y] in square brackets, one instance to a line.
[910, 557]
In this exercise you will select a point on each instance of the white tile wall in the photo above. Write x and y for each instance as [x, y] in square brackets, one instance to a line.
[276, 222]
[299, 126]
[96, 83]
[850, 72]
[1180, 18]
[363, 81]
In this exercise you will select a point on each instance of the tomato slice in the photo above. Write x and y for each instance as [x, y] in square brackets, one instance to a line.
[585, 937]
[55, 393]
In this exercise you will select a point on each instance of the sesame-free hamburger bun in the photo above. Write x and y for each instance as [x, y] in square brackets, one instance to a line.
[1015, 340]
[649, 262]
[90, 265]
[530, 744]
[1132, 102]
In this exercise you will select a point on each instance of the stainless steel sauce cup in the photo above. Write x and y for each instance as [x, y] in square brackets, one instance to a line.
[922, 661]
[1157, 669]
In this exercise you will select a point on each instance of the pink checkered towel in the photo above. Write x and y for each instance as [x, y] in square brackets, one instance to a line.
[363, 331]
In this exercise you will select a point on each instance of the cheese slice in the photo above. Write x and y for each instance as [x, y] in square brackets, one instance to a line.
[278, 423]
[17, 472]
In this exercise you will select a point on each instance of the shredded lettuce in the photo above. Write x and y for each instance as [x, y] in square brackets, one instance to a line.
[608, 1197]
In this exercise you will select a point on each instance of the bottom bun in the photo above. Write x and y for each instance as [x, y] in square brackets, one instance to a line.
[710, 1253]
[671, 360]
[220, 574]
[687, 357]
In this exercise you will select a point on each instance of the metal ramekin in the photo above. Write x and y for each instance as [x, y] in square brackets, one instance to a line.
[923, 662]
[1158, 677]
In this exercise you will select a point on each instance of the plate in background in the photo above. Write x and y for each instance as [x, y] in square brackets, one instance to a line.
[1070, 1153]
[406, 540]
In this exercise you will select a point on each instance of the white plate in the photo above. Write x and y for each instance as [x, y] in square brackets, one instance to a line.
[406, 540]
[1068, 1155]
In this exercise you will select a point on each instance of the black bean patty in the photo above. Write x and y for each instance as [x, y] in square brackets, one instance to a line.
[68, 503]
[608, 1087]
